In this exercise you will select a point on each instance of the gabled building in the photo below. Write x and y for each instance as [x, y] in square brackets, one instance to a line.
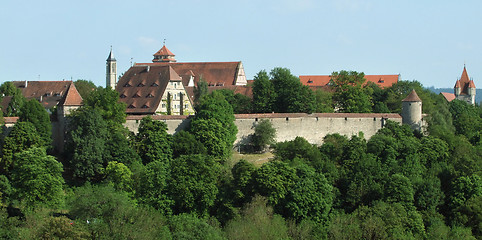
[323, 81]
[166, 86]
[49, 93]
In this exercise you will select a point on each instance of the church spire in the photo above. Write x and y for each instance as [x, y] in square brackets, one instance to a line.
[111, 70]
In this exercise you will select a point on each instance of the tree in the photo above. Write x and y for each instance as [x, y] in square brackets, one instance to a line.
[119, 175]
[275, 180]
[32, 111]
[152, 187]
[153, 141]
[292, 96]
[350, 94]
[84, 87]
[16, 101]
[324, 101]
[264, 135]
[22, 137]
[239, 102]
[214, 125]
[264, 94]
[200, 90]
[185, 143]
[37, 178]
[86, 144]
[193, 184]
[243, 182]
[106, 101]
[191, 227]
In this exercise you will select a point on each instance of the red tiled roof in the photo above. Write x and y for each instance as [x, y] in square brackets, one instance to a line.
[448, 96]
[48, 93]
[322, 80]
[471, 84]
[72, 97]
[214, 73]
[412, 97]
[164, 52]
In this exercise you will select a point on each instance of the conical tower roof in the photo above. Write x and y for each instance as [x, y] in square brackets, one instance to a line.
[111, 55]
[412, 97]
[164, 55]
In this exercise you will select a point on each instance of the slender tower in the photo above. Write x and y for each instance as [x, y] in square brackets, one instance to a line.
[111, 71]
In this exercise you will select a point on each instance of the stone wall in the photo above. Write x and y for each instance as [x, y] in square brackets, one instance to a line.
[312, 127]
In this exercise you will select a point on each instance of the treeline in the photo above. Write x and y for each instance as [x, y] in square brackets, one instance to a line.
[114, 184]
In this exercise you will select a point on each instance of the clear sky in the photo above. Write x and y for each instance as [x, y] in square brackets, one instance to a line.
[428, 41]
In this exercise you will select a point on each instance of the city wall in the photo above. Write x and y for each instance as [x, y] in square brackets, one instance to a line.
[312, 127]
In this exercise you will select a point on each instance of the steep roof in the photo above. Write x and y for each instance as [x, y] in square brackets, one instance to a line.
[214, 73]
[111, 56]
[142, 87]
[412, 97]
[72, 97]
[48, 93]
[164, 52]
[383, 81]
[464, 83]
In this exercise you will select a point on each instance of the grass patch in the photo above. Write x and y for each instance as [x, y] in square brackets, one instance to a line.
[256, 159]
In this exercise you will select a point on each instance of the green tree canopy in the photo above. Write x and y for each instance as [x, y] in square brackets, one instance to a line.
[106, 101]
[193, 184]
[350, 93]
[153, 141]
[37, 178]
[292, 96]
[264, 135]
[17, 99]
[84, 87]
[32, 111]
[22, 137]
[264, 94]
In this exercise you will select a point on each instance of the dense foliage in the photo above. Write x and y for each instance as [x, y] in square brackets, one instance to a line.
[113, 184]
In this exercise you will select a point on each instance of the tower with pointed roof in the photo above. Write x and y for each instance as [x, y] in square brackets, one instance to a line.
[464, 88]
[164, 55]
[111, 71]
[412, 111]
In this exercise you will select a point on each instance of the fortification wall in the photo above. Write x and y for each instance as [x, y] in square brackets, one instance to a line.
[312, 127]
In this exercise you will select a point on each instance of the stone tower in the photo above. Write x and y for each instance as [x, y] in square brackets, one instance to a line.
[412, 111]
[464, 88]
[111, 71]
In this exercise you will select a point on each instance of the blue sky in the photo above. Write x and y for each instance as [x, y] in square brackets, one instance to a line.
[428, 41]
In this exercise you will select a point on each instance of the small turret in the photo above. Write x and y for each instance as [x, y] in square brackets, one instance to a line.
[164, 55]
[457, 88]
[412, 111]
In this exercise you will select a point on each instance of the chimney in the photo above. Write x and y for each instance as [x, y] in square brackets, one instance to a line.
[148, 68]
[26, 82]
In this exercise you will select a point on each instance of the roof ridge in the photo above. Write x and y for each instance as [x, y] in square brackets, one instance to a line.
[72, 97]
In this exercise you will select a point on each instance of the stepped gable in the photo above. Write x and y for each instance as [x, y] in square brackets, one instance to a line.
[383, 81]
[48, 93]
[142, 86]
[412, 97]
[72, 97]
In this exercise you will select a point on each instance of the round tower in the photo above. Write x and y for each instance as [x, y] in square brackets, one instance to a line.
[412, 111]
[111, 71]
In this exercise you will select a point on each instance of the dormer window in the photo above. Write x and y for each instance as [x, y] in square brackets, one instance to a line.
[145, 106]
[154, 85]
[48, 94]
[131, 106]
[136, 95]
[310, 81]
[149, 95]
[381, 81]
[57, 94]
[140, 85]
[127, 85]
[123, 96]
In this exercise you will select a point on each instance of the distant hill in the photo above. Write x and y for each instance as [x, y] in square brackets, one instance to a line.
[478, 93]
